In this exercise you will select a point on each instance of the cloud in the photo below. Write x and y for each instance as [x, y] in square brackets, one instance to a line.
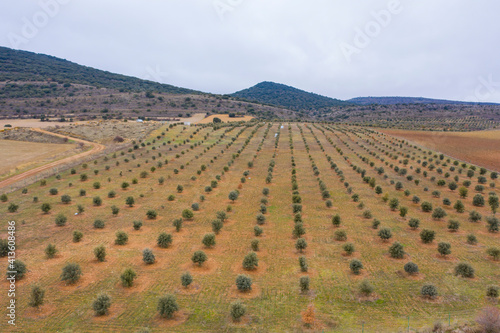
[426, 48]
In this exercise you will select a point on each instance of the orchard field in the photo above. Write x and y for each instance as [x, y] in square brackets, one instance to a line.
[333, 214]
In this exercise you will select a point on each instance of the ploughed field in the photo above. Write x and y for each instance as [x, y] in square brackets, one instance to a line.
[313, 172]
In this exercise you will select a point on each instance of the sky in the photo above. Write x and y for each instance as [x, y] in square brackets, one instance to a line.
[444, 49]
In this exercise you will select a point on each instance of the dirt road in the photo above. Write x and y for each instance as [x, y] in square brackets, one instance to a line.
[96, 148]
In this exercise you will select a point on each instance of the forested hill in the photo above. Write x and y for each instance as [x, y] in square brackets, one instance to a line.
[286, 96]
[27, 66]
[406, 100]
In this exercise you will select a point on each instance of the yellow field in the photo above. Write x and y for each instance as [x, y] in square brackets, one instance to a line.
[19, 156]
[225, 118]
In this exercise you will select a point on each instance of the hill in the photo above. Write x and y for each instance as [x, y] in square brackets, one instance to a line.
[286, 96]
[391, 100]
[25, 66]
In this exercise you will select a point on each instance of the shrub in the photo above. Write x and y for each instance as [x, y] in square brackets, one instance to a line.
[428, 291]
[336, 220]
[366, 288]
[367, 214]
[4, 247]
[349, 248]
[385, 234]
[426, 206]
[167, 306]
[99, 224]
[396, 250]
[216, 226]
[261, 219]
[164, 240]
[237, 310]
[250, 262]
[65, 199]
[137, 225]
[403, 211]
[257, 231]
[444, 248]
[243, 283]
[492, 291]
[151, 214]
[4, 198]
[71, 273]
[233, 195]
[186, 279]
[298, 230]
[414, 223]
[438, 213]
[101, 304]
[393, 204]
[265, 191]
[304, 284]
[411, 268]
[100, 253]
[375, 224]
[301, 244]
[128, 277]
[97, 201]
[221, 215]
[77, 236]
[489, 320]
[80, 209]
[61, 220]
[478, 200]
[148, 257]
[36, 296]
[199, 257]
[255, 245]
[464, 270]
[303, 264]
[474, 216]
[130, 201]
[209, 240]
[53, 191]
[427, 236]
[356, 266]
[115, 210]
[50, 251]
[340, 235]
[493, 252]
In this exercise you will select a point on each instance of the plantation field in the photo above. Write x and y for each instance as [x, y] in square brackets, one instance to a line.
[312, 172]
[225, 118]
[17, 156]
[481, 147]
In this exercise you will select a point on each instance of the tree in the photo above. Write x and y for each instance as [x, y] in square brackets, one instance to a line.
[403, 211]
[148, 257]
[474, 216]
[471, 239]
[257, 231]
[99, 224]
[429, 291]
[100, 253]
[298, 230]
[493, 224]
[411, 268]
[167, 306]
[216, 120]
[61, 220]
[186, 279]
[128, 277]
[255, 245]
[265, 191]
[151, 214]
[385, 234]
[493, 252]
[340, 235]
[101, 304]
[464, 270]
[478, 200]
[439, 213]
[301, 244]
[177, 223]
[50, 251]
[164, 240]
[137, 225]
[238, 310]
[309, 316]
[427, 236]
[394, 203]
[199, 257]
[251, 262]
[115, 210]
[180, 188]
[304, 284]
[444, 248]
[396, 250]
[46, 208]
[303, 264]
[65, 199]
[221, 215]
[121, 238]
[71, 273]
[97, 201]
[414, 223]
[336, 220]
[77, 236]
[356, 266]
[233, 195]
[494, 203]
[243, 283]
[261, 219]
[426, 206]
[37, 296]
[130, 201]
[366, 288]
[459, 206]
[217, 226]
[209, 240]
[453, 225]
[492, 292]
[349, 248]
[4, 247]
[17, 266]
[463, 191]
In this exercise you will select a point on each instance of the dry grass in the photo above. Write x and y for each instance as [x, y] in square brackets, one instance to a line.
[480, 147]
[18, 156]
[225, 118]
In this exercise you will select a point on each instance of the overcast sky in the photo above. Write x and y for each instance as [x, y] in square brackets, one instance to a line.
[439, 49]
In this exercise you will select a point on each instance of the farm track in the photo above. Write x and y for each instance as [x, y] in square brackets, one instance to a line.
[96, 148]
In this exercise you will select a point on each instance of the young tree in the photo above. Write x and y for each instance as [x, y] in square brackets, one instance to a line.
[46, 208]
[356, 266]
[130, 201]
[121, 238]
[366, 288]
[243, 283]
[233, 195]
[348, 248]
[101, 304]
[238, 310]
[411, 268]
[186, 279]
[148, 257]
[128, 277]
[396, 250]
[301, 244]
[217, 226]
[100, 253]
[304, 283]
[439, 213]
[444, 248]
[137, 225]
[303, 264]
[61, 220]
[37, 296]
[336, 220]
[151, 214]
[164, 240]
[427, 236]
[209, 240]
[71, 273]
[385, 234]
[493, 224]
[464, 270]
[50, 251]
[187, 214]
[250, 262]
[414, 223]
[494, 203]
[177, 223]
[167, 306]
[429, 291]
[199, 257]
